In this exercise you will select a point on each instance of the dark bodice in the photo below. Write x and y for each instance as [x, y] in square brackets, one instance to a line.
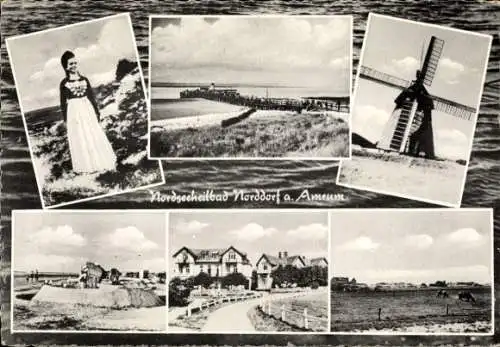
[78, 88]
[75, 88]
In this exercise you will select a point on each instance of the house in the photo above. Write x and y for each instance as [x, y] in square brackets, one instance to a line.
[321, 262]
[216, 262]
[267, 263]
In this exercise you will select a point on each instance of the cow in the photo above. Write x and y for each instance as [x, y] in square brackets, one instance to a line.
[442, 294]
[466, 296]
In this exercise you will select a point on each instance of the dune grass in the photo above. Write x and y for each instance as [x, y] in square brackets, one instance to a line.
[299, 135]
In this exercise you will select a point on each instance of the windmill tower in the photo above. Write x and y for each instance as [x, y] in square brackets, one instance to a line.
[409, 130]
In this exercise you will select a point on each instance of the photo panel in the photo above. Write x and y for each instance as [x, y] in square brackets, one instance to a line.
[248, 271]
[89, 271]
[236, 87]
[412, 271]
[82, 96]
[415, 109]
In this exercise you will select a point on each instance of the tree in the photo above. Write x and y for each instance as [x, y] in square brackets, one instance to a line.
[202, 279]
[178, 292]
[234, 279]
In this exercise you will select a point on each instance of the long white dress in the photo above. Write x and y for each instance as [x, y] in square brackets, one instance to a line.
[89, 147]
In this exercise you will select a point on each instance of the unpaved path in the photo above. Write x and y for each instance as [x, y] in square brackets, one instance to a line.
[234, 317]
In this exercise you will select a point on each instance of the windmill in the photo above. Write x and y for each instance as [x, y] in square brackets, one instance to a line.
[409, 130]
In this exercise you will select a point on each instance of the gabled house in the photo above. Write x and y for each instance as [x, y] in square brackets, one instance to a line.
[321, 262]
[216, 262]
[267, 263]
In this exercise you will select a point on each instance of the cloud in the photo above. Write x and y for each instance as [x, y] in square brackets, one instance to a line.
[450, 71]
[467, 236]
[252, 232]
[53, 237]
[420, 241]
[97, 61]
[369, 121]
[129, 239]
[406, 67]
[193, 226]
[314, 231]
[452, 143]
[362, 243]
[253, 43]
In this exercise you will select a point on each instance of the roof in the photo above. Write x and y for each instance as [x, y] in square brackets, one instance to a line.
[275, 261]
[316, 261]
[209, 255]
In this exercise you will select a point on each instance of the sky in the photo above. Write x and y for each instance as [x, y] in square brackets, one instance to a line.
[395, 47]
[417, 246]
[304, 233]
[98, 45]
[63, 242]
[286, 51]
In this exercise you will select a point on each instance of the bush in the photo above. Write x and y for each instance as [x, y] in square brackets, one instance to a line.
[314, 285]
[178, 292]
[304, 277]
[254, 280]
[202, 279]
[234, 279]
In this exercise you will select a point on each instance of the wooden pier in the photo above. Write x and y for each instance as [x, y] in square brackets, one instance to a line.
[232, 96]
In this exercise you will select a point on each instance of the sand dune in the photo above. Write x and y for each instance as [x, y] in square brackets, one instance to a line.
[418, 178]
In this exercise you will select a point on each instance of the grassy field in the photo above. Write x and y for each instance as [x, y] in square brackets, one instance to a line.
[409, 310]
[299, 135]
[316, 305]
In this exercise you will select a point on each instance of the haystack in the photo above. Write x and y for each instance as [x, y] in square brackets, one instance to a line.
[106, 296]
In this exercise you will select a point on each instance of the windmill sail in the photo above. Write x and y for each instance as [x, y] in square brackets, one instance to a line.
[450, 107]
[432, 60]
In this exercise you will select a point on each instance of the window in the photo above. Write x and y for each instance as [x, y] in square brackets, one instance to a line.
[232, 256]
[187, 269]
[202, 268]
[209, 270]
[264, 267]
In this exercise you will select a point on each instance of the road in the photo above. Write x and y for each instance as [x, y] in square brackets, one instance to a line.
[234, 317]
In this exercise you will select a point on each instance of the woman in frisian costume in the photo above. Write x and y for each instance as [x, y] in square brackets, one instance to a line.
[89, 147]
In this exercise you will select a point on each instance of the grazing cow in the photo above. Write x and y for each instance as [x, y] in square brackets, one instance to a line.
[466, 296]
[442, 294]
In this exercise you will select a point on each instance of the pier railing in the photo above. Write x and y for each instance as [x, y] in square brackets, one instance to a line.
[260, 103]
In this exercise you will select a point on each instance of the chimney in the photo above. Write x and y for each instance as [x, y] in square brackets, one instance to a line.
[279, 255]
[285, 254]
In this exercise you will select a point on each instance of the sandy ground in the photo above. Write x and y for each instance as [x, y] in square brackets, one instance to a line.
[194, 121]
[151, 319]
[216, 119]
[441, 182]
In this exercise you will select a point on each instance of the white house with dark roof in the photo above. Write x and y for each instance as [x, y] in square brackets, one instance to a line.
[267, 263]
[216, 262]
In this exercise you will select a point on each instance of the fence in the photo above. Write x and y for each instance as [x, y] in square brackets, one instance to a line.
[302, 319]
[201, 305]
